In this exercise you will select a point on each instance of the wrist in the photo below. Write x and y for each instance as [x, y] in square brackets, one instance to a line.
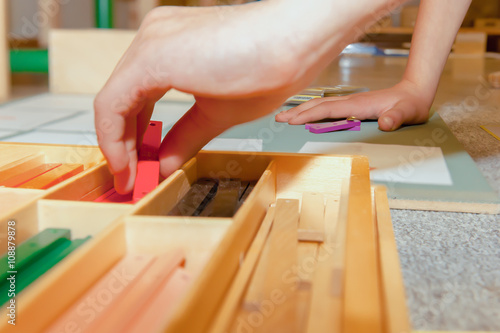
[424, 92]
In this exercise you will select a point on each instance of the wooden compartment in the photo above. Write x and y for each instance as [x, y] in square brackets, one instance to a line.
[63, 161]
[216, 249]
[86, 155]
[13, 198]
[83, 218]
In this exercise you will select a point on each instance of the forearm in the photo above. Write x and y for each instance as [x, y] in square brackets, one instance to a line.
[432, 42]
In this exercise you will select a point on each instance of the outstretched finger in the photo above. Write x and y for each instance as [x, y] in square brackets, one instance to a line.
[285, 116]
[337, 109]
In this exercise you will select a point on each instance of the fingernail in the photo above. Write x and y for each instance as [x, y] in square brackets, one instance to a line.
[388, 122]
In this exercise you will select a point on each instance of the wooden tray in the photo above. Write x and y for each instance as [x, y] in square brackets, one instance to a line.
[224, 253]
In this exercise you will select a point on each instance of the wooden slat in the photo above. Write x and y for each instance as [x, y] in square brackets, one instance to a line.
[362, 294]
[4, 52]
[279, 257]
[132, 267]
[306, 265]
[128, 304]
[254, 293]
[226, 199]
[98, 191]
[20, 178]
[395, 309]
[82, 184]
[306, 261]
[311, 223]
[228, 309]
[325, 314]
[54, 176]
[22, 165]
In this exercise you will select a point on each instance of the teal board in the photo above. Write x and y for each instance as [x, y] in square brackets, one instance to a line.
[470, 192]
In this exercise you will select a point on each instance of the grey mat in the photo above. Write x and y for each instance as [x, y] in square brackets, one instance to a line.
[451, 269]
[451, 261]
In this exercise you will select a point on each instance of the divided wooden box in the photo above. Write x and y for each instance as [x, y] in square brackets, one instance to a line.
[310, 250]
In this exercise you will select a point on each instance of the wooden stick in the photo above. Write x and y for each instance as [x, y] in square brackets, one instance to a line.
[129, 303]
[362, 294]
[281, 255]
[19, 179]
[325, 314]
[98, 191]
[22, 165]
[54, 176]
[128, 270]
[232, 300]
[161, 306]
[253, 295]
[4, 51]
[395, 309]
[306, 260]
[311, 223]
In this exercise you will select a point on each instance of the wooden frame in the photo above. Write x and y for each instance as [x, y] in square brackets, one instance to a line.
[221, 252]
[52, 8]
[89, 55]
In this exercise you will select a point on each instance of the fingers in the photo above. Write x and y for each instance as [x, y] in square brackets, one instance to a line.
[136, 126]
[191, 133]
[285, 116]
[122, 111]
[328, 109]
[124, 179]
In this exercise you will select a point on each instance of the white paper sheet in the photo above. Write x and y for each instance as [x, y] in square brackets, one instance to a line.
[392, 163]
[234, 145]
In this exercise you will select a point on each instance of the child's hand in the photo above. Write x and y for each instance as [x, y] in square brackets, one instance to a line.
[403, 104]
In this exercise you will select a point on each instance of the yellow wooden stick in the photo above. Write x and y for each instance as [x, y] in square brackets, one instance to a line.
[311, 223]
[22, 165]
[54, 176]
[325, 314]
[395, 309]
[362, 294]
[233, 298]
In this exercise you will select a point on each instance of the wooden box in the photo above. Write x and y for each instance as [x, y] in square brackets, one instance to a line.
[358, 283]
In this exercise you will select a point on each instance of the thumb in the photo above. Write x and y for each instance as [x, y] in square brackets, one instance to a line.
[391, 120]
[191, 133]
